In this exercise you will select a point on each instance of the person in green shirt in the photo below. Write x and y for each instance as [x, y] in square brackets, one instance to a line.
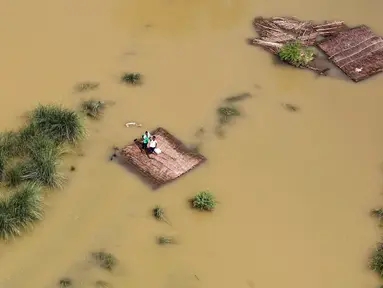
[145, 140]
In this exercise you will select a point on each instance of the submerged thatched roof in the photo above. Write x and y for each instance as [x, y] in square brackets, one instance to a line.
[358, 52]
[275, 31]
[174, 160]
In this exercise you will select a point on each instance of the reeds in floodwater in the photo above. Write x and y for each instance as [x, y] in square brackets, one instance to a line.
[131, 78]
[20, 210]
[41, 167]
[163, 240]
[93, 108]
[238, 97]
[13, 176]
[65, 282]
[86, 86]
[226, 113]
[159, 214]
[102, 284]
[60, 124]
[204, 200]
[105, 260]
[376, 260]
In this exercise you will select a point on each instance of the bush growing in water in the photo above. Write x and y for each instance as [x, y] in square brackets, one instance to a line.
[57, 123]
[204, 201]
[105, 260]
[376, 261]
[20, 210]
[131, 78]
[65, 282]
[296, 54]
[93, 108]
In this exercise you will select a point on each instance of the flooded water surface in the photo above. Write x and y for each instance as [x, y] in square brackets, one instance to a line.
[294, 188]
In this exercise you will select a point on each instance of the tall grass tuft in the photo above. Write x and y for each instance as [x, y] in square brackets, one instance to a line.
[296, 54]
[60, 124]
[93, 108]
[10, 144]
[42, 169]
[105, 260]
[204, 200]
[14, 175]
[20, 210]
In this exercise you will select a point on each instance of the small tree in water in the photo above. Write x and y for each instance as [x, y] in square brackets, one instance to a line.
[296, 54]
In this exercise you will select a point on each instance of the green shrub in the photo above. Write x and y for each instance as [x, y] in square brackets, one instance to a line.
[20, 210]
[93, 108]
[131, 78]
[204, 201]
[60, 124]
[296, 54]
[105, 260]
[376, 260]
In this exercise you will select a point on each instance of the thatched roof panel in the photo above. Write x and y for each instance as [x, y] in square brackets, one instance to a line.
[174, 160]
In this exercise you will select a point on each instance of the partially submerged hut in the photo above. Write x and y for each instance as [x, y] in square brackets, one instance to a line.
[358, 52]
[174, 160]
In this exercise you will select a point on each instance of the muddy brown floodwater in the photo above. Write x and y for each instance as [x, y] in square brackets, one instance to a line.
[295, 189]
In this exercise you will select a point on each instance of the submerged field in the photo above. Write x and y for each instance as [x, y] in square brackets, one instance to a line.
[293, 190]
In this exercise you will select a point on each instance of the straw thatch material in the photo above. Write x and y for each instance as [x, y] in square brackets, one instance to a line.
[274, 32]
[174, 161]
[358, 52]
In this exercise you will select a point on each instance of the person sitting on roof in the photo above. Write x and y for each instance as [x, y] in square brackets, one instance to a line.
[145, 140]
[152, 144]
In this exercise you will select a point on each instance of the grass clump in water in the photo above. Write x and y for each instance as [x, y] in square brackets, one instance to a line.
[14, 175]
[376, 260]
[102, 284]
[10, 144]
[162, 240]
[204, 200]
[226, 113]
[296, 54]
[131, 78]
[93, 108]
[159, 214]
[20, 210]
[57, 123]
[105, 260]
[65, 282]
[86, 86]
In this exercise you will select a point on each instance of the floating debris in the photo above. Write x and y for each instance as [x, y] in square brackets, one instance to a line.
[133, 124]
[85, 86]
